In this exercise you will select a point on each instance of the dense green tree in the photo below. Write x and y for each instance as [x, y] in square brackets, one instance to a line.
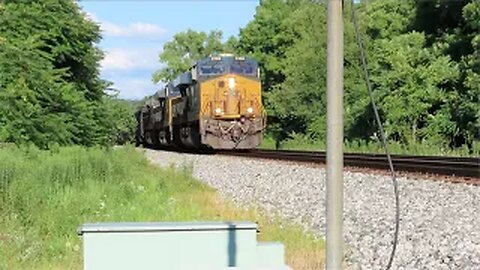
[35, 102]
[231, 45]
[387, 18]
[184, 50]
[268, 36]
[413, 86]
[415, 75]
[66, 35]
[300, 98]
[454, 27]
[122, 128]
[471, 62]
[466, 106]
[424, 63]
[50, 90]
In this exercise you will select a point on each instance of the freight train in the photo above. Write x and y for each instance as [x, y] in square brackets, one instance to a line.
[216, 104]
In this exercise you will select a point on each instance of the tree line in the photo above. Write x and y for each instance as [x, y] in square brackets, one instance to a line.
[51, 92]
[424, 62]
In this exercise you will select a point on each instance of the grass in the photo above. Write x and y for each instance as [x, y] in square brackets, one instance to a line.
[299, 142]
[303, 249]
[46, 195]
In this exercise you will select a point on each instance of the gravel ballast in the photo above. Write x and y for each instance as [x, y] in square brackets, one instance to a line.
[440, 222]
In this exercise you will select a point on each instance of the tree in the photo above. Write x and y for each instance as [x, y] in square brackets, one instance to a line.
[300, 98]
[50, 89]
[231, 45]
[268, 36]
[36, 104]
[466, 108]
[387, 18]
[423, 87]
[412, 83]
[67, 36]
[184, 50]
[454, 27]
[424, 63]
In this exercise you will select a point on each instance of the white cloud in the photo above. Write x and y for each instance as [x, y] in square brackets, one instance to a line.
[125, 59]
[130, 69]
[91, 16]
[137, 29]
[135, 88]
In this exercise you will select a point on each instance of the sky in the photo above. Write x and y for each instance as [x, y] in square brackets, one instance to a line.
[134, 33]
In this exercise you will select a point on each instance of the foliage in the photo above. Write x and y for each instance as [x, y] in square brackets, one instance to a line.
[456, 31]
[424, 78]
[185, 49]
[300, 97]
[413, 83]
[66, 35]
[50, 90]
[268, 36]
[424, 63]
[273, 31]
[27, 113]
[46, 195]
[117, 121]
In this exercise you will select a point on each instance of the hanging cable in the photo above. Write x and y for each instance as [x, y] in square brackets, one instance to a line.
[382, 134]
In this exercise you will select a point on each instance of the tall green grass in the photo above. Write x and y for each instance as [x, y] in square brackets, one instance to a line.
[46, 195]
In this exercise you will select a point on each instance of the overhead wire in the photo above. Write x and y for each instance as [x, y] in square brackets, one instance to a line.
[363, 58]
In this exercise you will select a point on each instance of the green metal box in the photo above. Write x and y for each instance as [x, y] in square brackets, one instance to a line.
[178, 246]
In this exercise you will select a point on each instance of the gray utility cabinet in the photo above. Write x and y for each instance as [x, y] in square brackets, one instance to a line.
[178, 246]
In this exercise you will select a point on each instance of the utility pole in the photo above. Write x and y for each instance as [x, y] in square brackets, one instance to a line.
[334, 135]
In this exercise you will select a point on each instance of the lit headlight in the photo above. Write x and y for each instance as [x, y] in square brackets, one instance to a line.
[231, 83]
[250, 110]
[218, 110]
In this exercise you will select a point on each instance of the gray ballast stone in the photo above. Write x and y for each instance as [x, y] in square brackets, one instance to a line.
[440, 222]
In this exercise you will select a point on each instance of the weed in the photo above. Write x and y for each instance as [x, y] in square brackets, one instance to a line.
[46, 195]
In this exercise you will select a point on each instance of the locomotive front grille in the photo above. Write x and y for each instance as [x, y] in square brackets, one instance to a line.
[233, 99]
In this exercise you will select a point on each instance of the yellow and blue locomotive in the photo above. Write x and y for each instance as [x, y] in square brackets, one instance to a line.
[217, 104]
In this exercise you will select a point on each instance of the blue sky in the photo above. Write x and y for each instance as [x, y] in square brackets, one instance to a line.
[134, 33]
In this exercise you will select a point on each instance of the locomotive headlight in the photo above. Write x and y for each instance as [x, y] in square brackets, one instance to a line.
[231, 83]
[218, 110]
[249, 110]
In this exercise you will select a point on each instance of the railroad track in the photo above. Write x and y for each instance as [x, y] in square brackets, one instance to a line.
[450, 166]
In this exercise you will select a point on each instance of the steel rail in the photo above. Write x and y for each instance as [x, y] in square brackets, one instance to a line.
[450, 166]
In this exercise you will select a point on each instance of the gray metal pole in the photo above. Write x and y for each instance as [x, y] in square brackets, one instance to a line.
[334, 136]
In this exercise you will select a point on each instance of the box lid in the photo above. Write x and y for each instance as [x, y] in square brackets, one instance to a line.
[116, 227]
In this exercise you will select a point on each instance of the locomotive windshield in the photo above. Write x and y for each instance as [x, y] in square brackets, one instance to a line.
[211, 69]
[244, 68]
[215, 66]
